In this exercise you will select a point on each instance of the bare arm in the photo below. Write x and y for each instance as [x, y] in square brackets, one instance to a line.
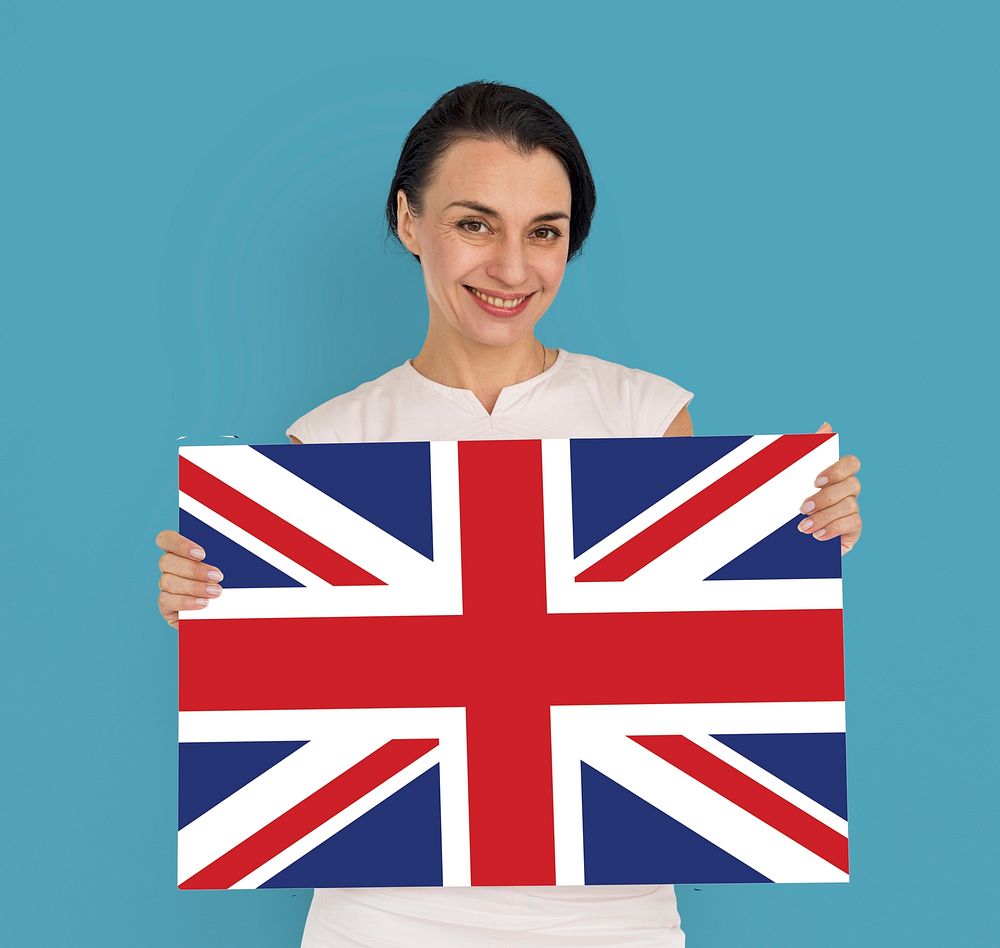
[681, 425]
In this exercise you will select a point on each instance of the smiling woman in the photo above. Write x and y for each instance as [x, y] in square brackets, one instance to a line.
[492, 261]
[493, 196]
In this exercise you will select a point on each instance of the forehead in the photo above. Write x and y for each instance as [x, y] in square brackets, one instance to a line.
[494, 174]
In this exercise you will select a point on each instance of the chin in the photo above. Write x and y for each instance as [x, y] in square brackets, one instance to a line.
[499, 334]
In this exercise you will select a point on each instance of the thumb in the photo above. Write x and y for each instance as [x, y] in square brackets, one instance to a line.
[824, 428]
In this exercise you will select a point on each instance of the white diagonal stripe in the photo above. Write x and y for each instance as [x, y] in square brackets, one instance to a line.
[709, 814]
[310, 510]
[338, 738]
[249, 542]
[682, 494]
[261, 801]
[674, 581]
[336, 823]
[766, 779]
[598, 734]
[417, 586]
[740, 526]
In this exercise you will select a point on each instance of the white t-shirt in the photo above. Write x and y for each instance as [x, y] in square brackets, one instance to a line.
[578, 396]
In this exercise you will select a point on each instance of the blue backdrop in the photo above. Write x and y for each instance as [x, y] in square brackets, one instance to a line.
[797, 219]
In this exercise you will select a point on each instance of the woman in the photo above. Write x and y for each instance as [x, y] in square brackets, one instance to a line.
[493, 196]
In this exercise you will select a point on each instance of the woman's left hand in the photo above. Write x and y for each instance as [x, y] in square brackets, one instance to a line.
[833, 511]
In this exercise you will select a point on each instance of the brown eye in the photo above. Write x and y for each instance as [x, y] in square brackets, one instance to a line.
[463, 225]
[555, 235]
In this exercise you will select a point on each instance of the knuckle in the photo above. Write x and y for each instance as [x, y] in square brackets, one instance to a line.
[845, 525]
[852, 503]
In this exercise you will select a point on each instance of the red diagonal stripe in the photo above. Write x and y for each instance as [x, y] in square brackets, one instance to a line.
[268, 527]
[695, 512]
[312, 812]
[745, 792]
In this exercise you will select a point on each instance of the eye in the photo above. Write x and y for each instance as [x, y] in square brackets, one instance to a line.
[464, 225]
[555, 234]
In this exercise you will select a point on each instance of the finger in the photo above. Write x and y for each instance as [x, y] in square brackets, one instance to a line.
[845, 467]
[172, 542]
[847, 528]
[189, 569]
[169, 602]
[188, 587]
[831, 494]
[820, 519]
[849, 538]
[824, 428]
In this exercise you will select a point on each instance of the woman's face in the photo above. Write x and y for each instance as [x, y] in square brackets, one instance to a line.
[494, 221]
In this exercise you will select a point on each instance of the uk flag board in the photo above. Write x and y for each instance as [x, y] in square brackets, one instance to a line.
[535, 662]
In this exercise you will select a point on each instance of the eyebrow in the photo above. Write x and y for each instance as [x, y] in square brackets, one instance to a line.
[490, 212]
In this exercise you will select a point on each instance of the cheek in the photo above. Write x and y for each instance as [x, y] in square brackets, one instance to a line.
[452, 259]
[553, 274]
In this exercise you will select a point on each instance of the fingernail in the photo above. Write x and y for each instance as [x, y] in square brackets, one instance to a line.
[214, 575]
[198, 553]
[214, 590]
[821, 480]
[201, 602]
[808, 507]
[805, 525]
[819, 533]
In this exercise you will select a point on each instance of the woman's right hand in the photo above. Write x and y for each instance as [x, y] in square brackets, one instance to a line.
[185, 581]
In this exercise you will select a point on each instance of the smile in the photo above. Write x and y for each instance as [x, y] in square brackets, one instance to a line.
[499, 305]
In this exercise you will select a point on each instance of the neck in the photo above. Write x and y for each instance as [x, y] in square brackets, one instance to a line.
[483, 370]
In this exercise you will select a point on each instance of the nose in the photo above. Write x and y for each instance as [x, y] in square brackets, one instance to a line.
[508, 265]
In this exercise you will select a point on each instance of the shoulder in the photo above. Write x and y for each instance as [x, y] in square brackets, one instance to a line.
[603, 372]
[650, 402]
[339, 418]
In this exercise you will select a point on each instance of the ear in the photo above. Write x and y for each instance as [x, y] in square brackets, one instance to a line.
[406, 223]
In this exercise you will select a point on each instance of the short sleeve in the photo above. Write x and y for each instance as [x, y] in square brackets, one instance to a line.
[300, 429]
[658, 401]
[316, 426]
[311, 429]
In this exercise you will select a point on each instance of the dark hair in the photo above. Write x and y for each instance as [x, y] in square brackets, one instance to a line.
[491, 110]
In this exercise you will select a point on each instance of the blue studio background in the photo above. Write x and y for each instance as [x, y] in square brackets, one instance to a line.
[797, 209]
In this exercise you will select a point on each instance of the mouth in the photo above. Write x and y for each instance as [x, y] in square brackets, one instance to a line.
[499, 304]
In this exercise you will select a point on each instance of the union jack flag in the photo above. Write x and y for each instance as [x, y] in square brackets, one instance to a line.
[534, 662]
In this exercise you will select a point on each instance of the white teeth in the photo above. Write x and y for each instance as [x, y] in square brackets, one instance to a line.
[493, 301]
